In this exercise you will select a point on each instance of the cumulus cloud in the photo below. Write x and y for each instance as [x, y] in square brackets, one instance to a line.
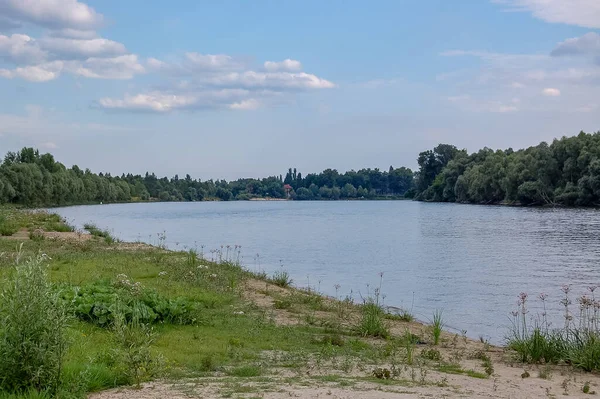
[584, 13]
[287, 65]
[167, 101]
[53, 14]
[588, 44]
[551, 92]
[67, 48]
[218, 81]
[158, 102]
[121, 67]
[19, 48]
[35, 73]
[269, 80]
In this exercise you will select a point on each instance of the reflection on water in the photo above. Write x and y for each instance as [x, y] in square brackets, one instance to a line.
[471, 261]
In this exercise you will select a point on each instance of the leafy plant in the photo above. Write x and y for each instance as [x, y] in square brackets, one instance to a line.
[97, 303]
[33, 323]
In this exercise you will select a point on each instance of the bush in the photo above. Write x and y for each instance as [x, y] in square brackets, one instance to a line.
[96, 303]
[33, 323]
[7, 227]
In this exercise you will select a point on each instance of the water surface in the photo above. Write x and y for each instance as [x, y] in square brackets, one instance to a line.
[470, 261]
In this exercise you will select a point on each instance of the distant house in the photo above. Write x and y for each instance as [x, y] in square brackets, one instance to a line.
[288, 189]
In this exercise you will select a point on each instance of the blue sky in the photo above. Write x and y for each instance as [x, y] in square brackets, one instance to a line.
[229, 89]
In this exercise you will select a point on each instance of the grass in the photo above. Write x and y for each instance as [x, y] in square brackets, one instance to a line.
[226, 334]
[577, 343]
[281, 278]
[438, 326]
[97, 232]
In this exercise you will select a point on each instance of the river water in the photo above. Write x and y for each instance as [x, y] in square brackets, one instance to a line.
[469, 261]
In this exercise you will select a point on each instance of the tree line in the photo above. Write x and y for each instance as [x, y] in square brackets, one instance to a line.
[565, 172]
[33, 179]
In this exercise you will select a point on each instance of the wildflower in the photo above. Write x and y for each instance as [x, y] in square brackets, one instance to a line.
[566, 288]
[238, 313]
[161, 274]
[523, 296]
[213, 276]
[543, 296]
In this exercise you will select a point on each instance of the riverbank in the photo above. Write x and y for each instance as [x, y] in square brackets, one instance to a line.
[232, 333]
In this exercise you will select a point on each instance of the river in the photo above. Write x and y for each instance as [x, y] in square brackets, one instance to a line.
[469, 261]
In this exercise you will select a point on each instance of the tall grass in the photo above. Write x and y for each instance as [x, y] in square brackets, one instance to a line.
[438, 326]
[33, 323]
[577, 343]
[97, 232]
[372, 321]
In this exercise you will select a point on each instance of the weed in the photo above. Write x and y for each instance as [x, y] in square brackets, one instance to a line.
[409, 345]
[438, 326]
[545, 373]
[134, 340]
[431, 354]
[33, 338]
[282, 303]
[281, 278]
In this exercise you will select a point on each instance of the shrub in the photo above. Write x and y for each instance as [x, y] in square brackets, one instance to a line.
[33, 322]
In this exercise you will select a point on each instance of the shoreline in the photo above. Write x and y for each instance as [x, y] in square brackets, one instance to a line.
[257, 335]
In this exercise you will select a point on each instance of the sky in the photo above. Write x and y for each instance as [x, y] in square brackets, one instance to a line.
[230, 89]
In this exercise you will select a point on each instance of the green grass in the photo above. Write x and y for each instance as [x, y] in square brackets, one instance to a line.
[97, 232]
[451, 368]
[13, 219]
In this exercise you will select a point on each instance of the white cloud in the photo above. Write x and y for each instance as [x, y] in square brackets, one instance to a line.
[67, 48]
[122, 67]
[551, 92]
[584, 13]
[20, 48]
[211, 62]
[249, 104]
[517, 85]
[36, 73]
[158, 102]
[54, 14]
[268, 80]
[584, 45]
[286, 65]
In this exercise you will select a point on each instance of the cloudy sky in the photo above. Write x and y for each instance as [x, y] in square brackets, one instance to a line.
[230, 89]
